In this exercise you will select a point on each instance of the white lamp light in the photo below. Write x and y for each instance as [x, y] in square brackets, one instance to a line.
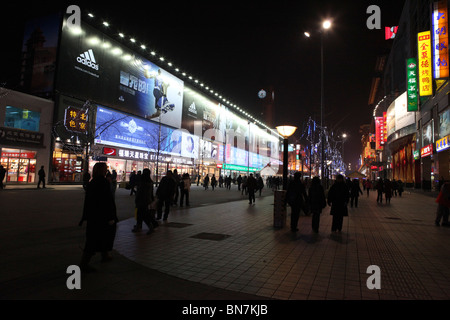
[286, 131]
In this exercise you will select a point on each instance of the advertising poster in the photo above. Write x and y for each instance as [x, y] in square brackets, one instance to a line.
[207, 114]
[444, 123]
[427, 133]
[403, 118]
[122, 130]
[390, 119]
[97, 68]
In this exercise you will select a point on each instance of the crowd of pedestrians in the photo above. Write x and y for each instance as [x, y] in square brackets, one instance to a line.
[154, 203]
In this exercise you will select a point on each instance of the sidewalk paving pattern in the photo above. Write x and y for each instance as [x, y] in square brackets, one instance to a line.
[225, 251]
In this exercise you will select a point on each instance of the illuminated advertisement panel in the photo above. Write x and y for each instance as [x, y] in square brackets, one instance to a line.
[442, 144]
[93, 66]
[440, 40]
[425, 63]
[122, 130]
[411, 83]
[379, 129]
[426, 151]
[403, 118]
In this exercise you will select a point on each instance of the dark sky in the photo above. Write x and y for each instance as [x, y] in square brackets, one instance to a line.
[240, 47]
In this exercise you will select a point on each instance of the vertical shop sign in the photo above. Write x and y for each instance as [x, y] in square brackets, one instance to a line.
[440, 40]
[425, 64]
[384, 129]
[379, 128]
[411, 71]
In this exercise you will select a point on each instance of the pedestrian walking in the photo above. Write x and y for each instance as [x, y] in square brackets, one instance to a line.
[239, 182]
[260, 185]
[380, 187]
[114, 181]
[133, 178]
[244, 185]
[338, 197]
[177, 179]
[186, 189]
[368, 185]
[213, 181]
[354, 193]
[164, 194]
[443, 209]
[206, 182]
[400, 188]
[251, 187]
[228, 182]
[41, 174]
[99, 212]
[2, 176]
[296, 197]
[316, 202]
[144, 198]
[388, 190]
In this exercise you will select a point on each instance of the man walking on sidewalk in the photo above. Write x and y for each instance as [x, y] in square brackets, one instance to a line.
[41, 174]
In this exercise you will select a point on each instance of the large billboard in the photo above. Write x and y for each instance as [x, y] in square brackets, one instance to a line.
[122, 130]
[95, 67]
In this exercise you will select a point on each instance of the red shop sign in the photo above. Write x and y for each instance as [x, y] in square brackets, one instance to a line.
[22, 155]
[426, 151]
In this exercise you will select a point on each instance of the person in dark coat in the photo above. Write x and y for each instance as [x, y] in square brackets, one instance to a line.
[355, 191]
[338, 197]
[133, 178]
[388, 190]
[316, 202]
[144, 198]
[260, 185]
[296, 198]
[380, 188]
[251, 187]
[99, 212]
[164, 193]
[41, 175]
[2, 176]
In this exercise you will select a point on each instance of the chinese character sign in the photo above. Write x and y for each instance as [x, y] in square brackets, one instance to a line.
[440, 40]
[411, 84]
[76, 120]
[425, 64]
[379, 133]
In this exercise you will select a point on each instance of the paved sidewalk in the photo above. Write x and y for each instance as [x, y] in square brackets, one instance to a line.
[228, 251]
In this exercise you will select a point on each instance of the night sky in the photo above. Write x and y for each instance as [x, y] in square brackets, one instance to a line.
[240, 47]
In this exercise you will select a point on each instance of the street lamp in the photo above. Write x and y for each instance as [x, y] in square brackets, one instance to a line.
[325, 26]
[285, 132]
[344, 137]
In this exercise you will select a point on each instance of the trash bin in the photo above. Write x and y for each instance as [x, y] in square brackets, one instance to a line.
[279, 209]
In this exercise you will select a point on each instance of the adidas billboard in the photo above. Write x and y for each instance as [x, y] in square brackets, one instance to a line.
[87, 58]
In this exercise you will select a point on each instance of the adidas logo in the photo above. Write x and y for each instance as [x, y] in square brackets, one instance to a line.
[88, 59]
[192, 108]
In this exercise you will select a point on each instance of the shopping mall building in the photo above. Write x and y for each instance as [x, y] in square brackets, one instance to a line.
[108, 101]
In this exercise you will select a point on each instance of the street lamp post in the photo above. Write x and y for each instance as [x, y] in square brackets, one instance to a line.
[325, 26]
[285, 132]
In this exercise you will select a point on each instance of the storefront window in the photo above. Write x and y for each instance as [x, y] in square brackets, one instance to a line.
[67, 166]
[20, 165]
